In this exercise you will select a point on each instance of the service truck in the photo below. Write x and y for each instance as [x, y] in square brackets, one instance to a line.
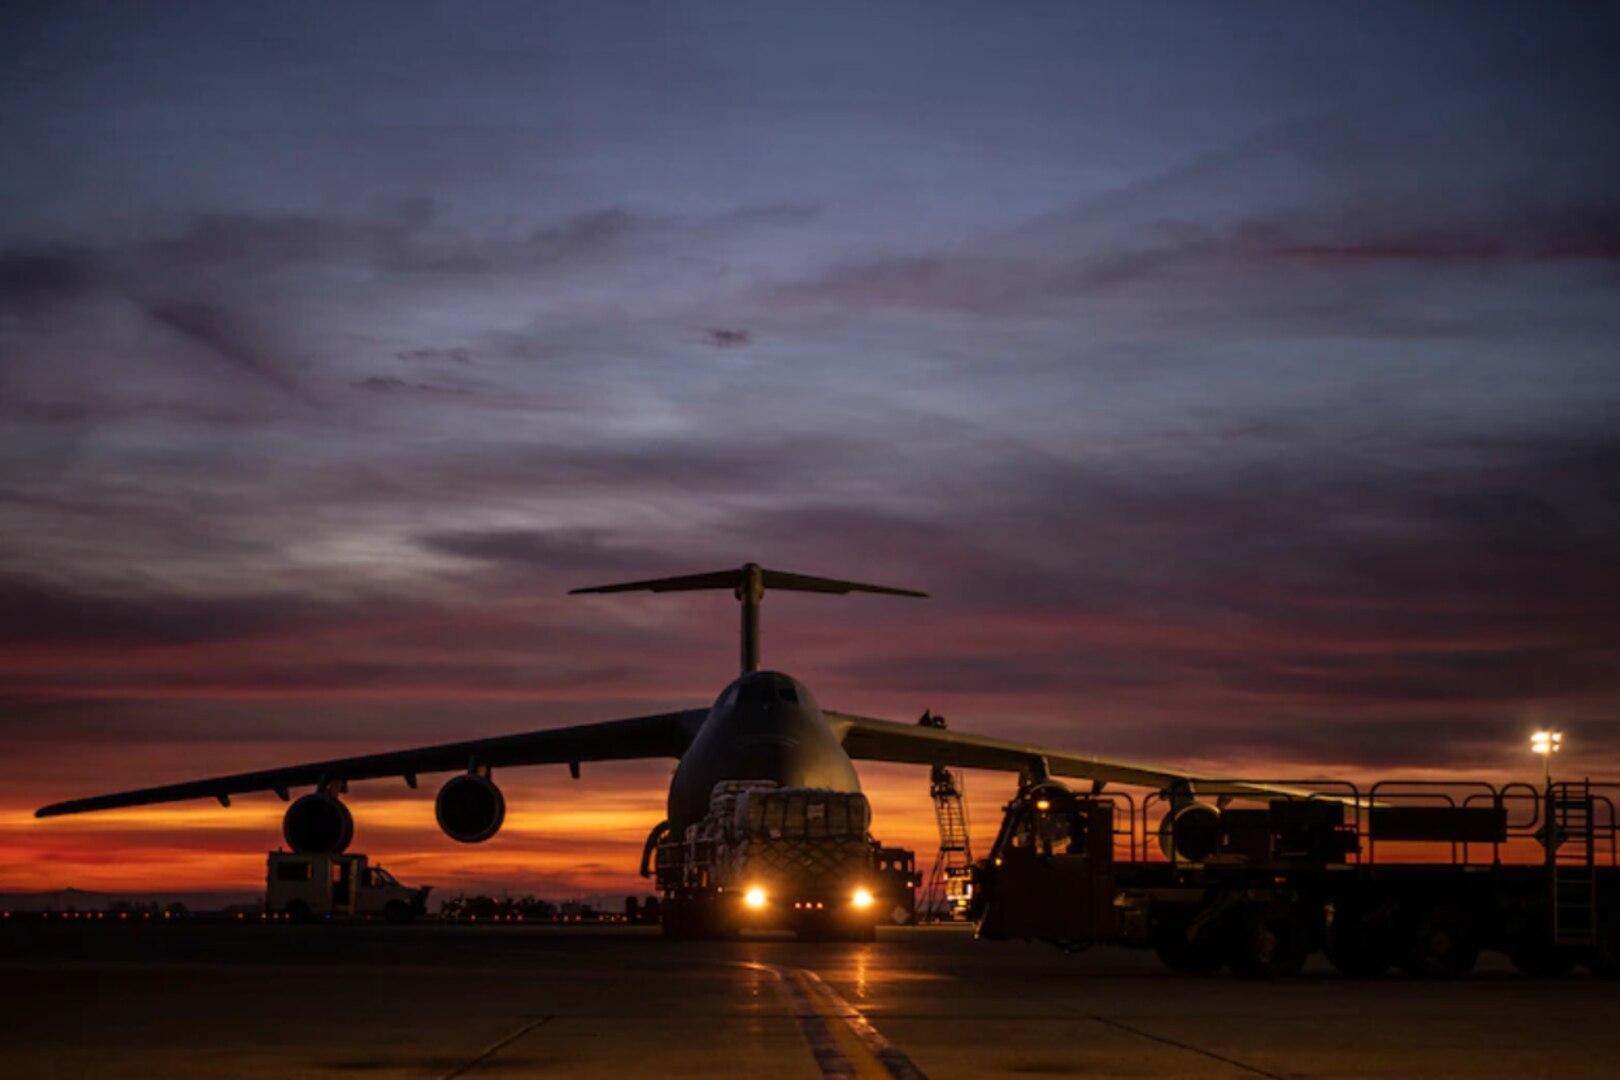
[1416, 874]
[305, 887]
[778, 858]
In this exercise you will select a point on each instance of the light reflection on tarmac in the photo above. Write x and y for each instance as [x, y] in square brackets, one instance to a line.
[253, 1001]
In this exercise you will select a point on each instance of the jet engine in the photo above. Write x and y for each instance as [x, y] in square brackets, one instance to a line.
[470, 808]
[318, 824]
[1190, 832]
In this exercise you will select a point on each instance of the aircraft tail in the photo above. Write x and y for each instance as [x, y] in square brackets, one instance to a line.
[748, 583]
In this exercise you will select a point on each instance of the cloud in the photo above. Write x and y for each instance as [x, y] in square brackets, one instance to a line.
[560, 550]
[726, 338]
[40, 612]
[1464, 177]
[39, 277]
[226, 336]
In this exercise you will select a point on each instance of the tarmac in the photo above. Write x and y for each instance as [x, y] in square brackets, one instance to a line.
[254, 1000]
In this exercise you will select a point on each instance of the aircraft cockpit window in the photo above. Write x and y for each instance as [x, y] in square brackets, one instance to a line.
[785, 691]
[755, 690]
[729, 698]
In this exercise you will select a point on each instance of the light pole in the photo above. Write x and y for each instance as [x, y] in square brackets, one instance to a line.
[1547, 743]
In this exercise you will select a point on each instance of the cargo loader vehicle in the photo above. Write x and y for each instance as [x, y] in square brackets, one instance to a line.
[1419, 875]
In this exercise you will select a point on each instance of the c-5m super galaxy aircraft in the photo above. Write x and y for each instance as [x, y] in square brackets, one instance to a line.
[765, 726]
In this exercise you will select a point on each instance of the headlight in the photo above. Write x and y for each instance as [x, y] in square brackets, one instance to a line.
[755, 897]
[862, 898]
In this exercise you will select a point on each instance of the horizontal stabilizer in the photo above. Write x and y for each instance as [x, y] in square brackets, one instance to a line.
[779, 579]
[724, 579]
[748, 583]
[737, 580]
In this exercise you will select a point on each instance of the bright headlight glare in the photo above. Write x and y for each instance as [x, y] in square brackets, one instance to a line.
[755, 897]
[862, 898]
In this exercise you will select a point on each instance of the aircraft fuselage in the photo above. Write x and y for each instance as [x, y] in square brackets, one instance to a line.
[764, 726]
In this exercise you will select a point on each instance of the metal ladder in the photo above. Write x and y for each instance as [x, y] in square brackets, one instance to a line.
[951, 864]
[1572, 858]
[955, 850]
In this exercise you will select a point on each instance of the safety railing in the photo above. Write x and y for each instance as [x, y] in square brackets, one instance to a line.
[1512, 831]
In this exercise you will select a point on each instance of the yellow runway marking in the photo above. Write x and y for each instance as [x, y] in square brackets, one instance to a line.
[843, 1042]
[863, 1063]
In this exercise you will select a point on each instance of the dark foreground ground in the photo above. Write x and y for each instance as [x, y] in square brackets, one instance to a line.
[242, 1001]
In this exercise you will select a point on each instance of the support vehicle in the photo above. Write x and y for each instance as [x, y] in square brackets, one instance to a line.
[306, 886]
[1416, 874]
[771, 858]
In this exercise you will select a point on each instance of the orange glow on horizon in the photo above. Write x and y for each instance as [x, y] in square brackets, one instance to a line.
[559, 839]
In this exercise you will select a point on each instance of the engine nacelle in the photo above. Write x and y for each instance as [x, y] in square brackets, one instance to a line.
[470, 808]
[1191, 832]
[318, 824]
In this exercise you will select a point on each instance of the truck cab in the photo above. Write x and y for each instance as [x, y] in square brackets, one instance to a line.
[310, 886]
[1050, 874]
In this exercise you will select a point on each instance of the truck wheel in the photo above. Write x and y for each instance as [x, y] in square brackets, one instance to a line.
[299, 912]
[1269, 942]
[398, 912]
[1441, 943]
[1200, 955]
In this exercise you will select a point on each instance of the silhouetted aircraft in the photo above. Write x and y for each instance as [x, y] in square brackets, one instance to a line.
[763, 726]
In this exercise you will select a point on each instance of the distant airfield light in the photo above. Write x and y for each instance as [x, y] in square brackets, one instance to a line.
[862, 898]
[754, 898]
[1547, 743]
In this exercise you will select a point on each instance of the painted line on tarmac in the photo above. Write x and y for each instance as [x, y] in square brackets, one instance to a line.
[843, 1042]
[812, 1025]
[1167, 1041]
[494, 1048]
[893, 1060]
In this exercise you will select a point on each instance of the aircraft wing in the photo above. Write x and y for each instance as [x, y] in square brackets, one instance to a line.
[917, 744]
[660, 735]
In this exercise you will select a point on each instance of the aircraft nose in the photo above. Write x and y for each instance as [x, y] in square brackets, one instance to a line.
[785, 758]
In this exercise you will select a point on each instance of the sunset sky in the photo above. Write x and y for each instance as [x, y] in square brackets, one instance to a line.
[1242, 381]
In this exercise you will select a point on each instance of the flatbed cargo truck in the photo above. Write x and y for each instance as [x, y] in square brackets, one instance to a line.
[1416, 874]
[766, 857]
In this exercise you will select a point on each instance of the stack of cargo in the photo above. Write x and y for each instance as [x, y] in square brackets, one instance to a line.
[798, 836]
[756, 832]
